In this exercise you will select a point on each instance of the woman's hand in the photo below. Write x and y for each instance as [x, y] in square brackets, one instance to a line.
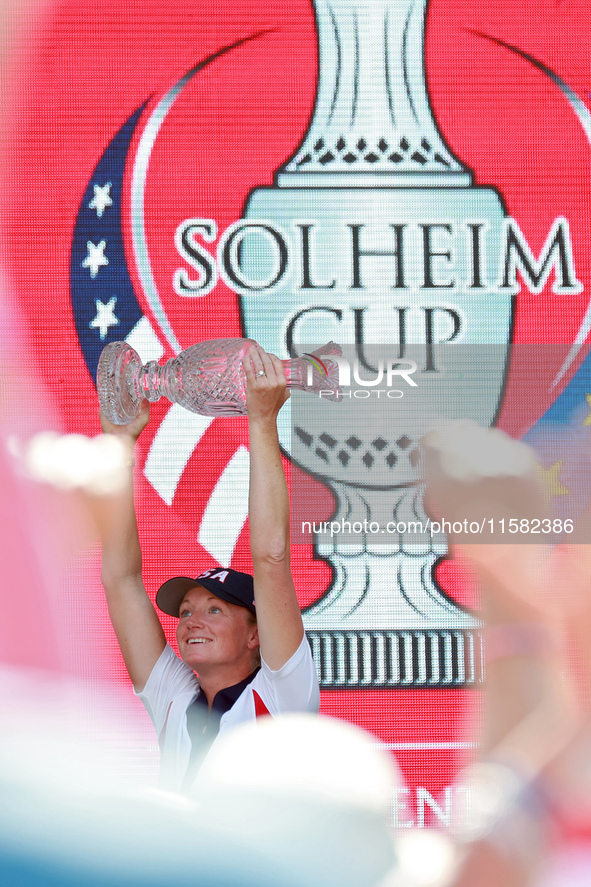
[266, 389]
[133, 429]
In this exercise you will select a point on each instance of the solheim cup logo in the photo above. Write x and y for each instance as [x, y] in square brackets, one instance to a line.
[387, 238]
[374, 236]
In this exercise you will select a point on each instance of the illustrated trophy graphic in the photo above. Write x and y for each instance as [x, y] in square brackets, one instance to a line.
[386, 233]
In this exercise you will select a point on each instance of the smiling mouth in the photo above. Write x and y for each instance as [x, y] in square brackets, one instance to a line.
[199, 641]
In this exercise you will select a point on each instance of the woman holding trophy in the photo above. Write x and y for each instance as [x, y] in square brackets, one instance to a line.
[242, 648]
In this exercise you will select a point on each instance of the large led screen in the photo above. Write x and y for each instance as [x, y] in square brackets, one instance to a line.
[393, 172]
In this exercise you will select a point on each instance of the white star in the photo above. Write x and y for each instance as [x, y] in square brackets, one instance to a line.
[105, 316]
[101, 199]
[96, 257]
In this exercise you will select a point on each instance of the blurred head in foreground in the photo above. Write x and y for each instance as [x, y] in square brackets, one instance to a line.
[311, 794]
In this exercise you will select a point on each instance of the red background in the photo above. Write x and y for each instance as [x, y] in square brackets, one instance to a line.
[83, 71]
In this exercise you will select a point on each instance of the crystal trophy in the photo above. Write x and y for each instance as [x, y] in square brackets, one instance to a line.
[207, 378]
[387, 238]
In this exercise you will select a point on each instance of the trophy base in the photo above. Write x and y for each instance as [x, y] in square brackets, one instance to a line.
[117, 363]
[388, 660]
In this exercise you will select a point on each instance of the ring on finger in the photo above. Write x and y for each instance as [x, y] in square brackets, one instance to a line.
[261, 373]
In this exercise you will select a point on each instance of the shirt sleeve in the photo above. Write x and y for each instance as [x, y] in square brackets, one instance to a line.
[170, 679]
[294, 686]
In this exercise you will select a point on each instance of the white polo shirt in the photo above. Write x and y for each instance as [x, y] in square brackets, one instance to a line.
[173, 685]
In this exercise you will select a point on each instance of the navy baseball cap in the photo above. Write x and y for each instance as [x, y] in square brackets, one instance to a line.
[229, 585]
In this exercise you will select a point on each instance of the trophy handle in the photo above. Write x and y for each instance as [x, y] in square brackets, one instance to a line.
[118, 365]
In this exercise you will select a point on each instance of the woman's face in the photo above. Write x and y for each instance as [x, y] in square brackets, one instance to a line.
[213, 632]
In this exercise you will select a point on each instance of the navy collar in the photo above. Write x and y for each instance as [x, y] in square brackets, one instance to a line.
[225, 699]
